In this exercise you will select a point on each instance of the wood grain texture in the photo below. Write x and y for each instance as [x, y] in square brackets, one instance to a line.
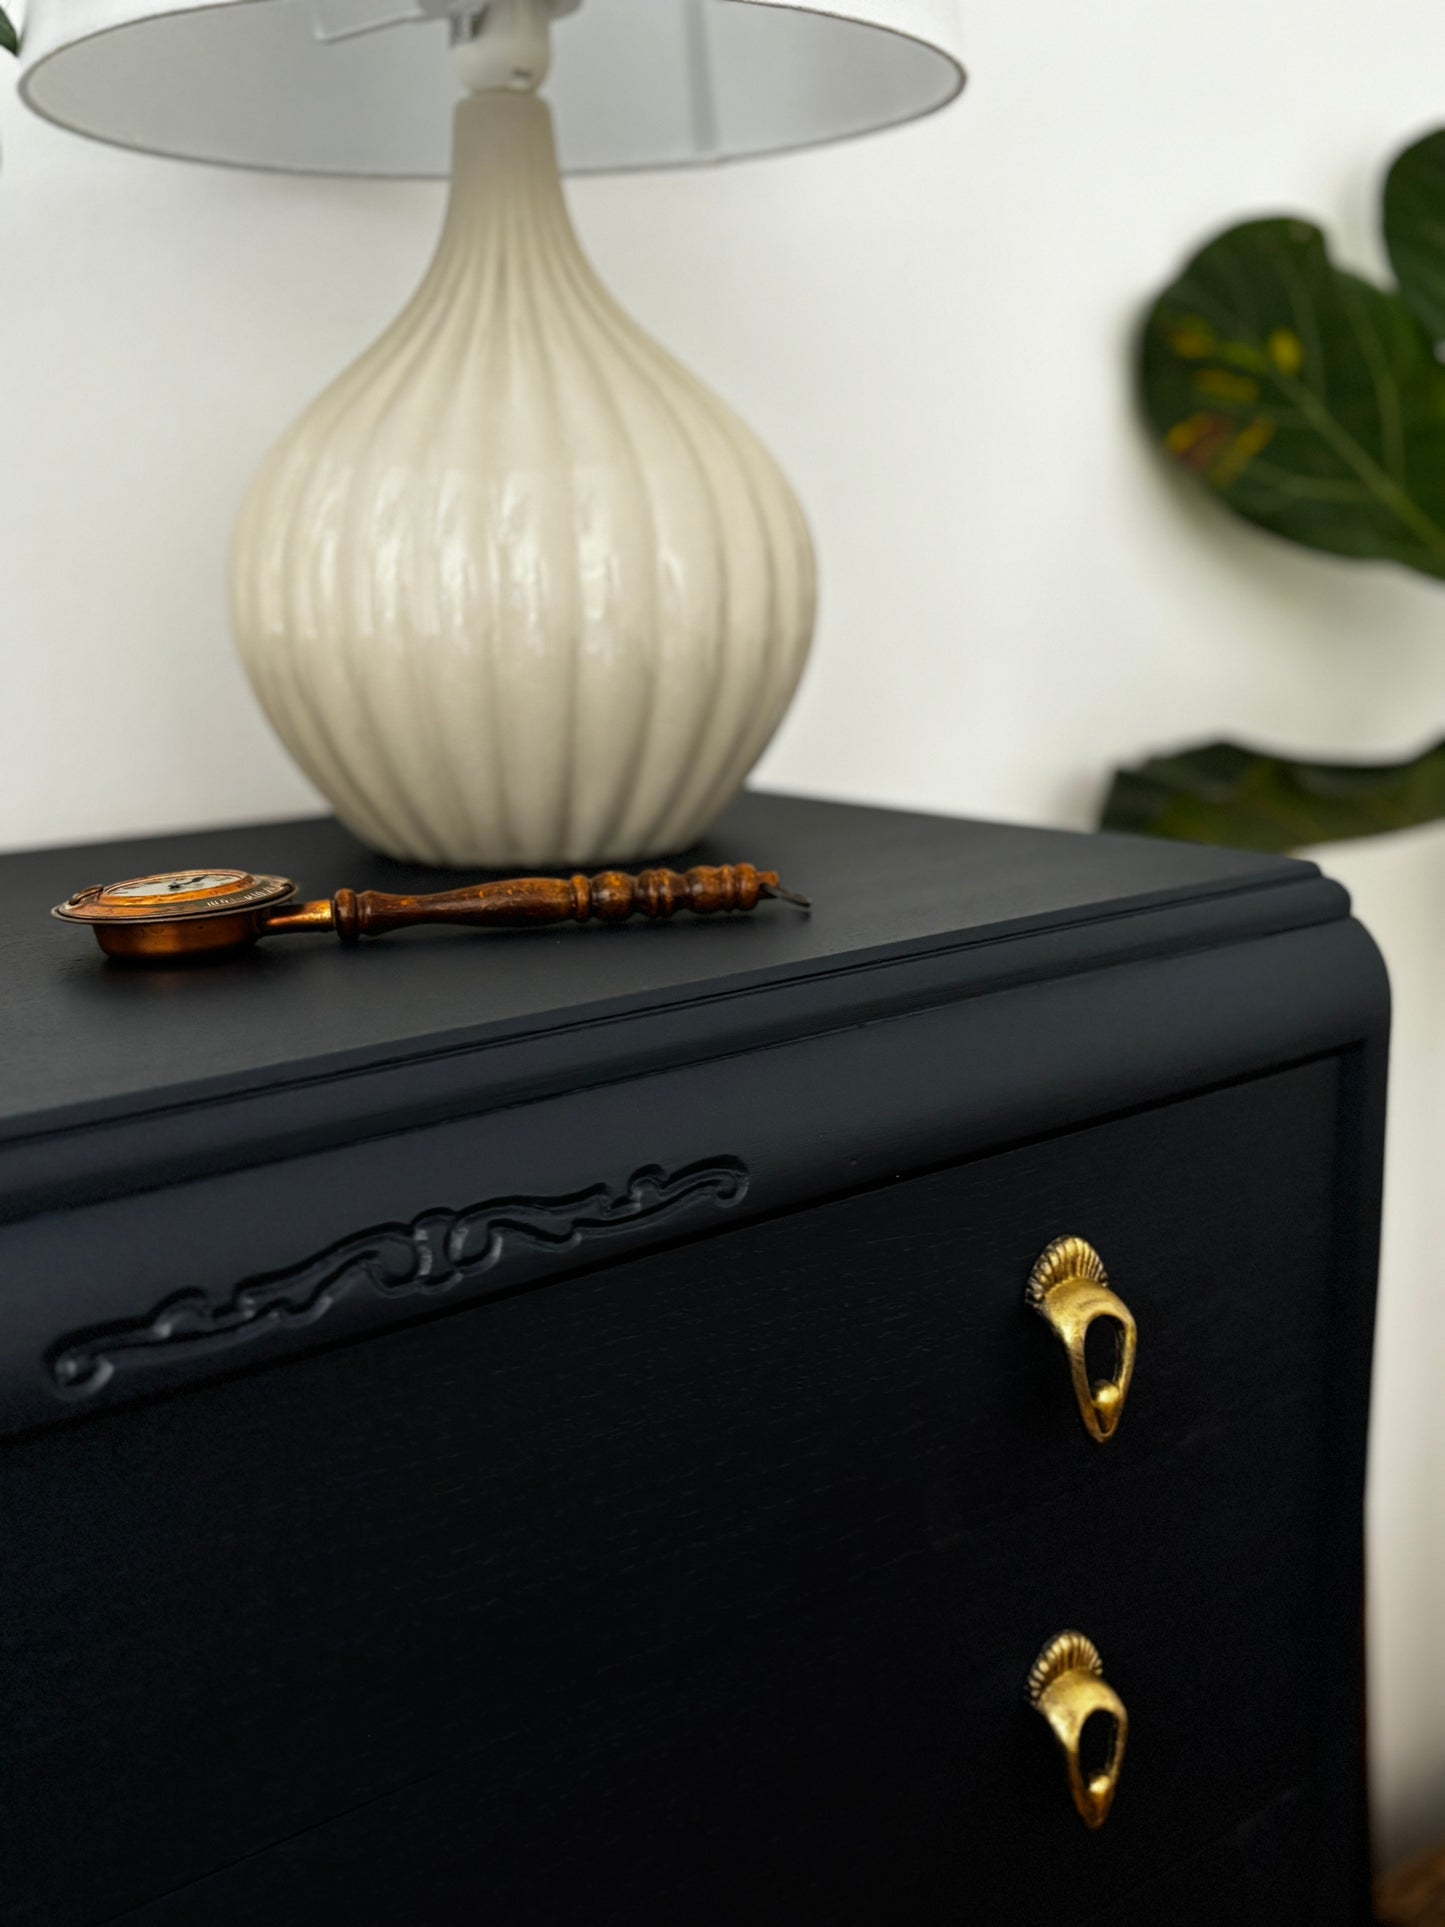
[613, 896]
[1413, 1895]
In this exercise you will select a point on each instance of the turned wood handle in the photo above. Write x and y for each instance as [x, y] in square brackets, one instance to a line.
[612, 897]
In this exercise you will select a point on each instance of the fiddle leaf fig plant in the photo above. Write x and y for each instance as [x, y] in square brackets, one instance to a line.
[1221, 793]
[1306, 400]
[1415, 229]
[9, 40]
[1311, 403]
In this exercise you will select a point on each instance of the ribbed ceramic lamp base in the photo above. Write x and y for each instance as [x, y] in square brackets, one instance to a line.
[518, 589]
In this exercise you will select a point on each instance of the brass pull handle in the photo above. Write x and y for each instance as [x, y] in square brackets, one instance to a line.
[1067, 1686]
[1069, 1288]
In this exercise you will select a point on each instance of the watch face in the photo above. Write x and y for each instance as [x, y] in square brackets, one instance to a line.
[184, 883]
[177, 893]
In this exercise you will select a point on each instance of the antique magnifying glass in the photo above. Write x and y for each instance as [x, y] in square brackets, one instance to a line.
[190, 913]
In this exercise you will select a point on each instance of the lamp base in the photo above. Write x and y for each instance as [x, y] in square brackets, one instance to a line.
[517, 589]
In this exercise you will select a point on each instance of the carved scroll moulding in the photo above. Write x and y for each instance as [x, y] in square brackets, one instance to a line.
[438, 1254]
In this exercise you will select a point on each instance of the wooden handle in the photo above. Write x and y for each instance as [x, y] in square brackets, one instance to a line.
[612, 897]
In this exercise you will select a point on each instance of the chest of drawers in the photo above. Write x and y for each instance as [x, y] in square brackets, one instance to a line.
[550, 1428]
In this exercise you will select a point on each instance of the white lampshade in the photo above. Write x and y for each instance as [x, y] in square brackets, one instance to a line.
[635, 83]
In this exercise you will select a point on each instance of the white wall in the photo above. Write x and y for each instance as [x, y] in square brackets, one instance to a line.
[932, 329]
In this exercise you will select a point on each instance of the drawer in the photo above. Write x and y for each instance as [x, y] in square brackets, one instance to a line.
[1260, 1871]
[865, 1759]
[703, 1586]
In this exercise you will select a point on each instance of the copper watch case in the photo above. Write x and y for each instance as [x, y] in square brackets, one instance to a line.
[178, 913]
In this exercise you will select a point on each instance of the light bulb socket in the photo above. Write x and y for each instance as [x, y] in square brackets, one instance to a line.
[504, 45]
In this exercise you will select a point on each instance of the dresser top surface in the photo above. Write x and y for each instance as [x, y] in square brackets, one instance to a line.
[85, 1039]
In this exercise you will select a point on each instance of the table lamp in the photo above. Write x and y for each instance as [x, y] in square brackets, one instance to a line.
[517, 589]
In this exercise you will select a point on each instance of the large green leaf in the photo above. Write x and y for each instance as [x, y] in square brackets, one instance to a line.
[1307, 400]
[1415, 228]
[8, 39]
[1224, 793]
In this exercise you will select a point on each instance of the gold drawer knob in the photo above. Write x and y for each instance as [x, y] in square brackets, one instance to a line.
[1067, 1686]
[1070, 1289]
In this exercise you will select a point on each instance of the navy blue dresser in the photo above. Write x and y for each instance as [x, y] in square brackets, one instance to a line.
[556, 1427]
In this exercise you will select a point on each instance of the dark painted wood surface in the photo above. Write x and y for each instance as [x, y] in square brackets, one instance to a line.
[223, 1270]
[117, 1078]
[1266, 1869]
[687, 1567]
[705, 1587]
[83, 1038]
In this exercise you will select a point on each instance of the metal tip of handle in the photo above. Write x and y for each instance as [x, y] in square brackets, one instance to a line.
[787, 896]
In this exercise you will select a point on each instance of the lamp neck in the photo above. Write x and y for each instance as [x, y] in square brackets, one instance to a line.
[506, 188]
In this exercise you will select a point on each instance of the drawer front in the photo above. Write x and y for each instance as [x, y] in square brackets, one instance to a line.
[1262, 1870]
[705, 1586]
[867, 1759]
